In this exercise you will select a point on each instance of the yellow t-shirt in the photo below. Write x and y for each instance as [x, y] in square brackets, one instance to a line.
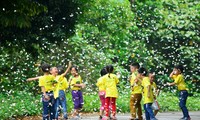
[145, 84]
[48, 82]
[100, 84]
[75, 80]
[179, 80]
[136, 87]
[61, 85]
[111, 85]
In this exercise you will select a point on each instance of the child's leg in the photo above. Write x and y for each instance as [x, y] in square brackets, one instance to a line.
[113, 106]
[102, 99]
[56, 107]
[155, 112]
[132, 107]
[182, 103]
[150, 111]
[106, 106]
[52, 107]
[134, 104]
[138, 106]
[75, 98]
[146, 113]
[81, 102]
[63, 101]
[45, 105]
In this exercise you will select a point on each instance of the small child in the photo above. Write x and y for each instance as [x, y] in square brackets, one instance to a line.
[102, 91]
[76, 86]
[59, 86]
[110, 81]
[178, 78]
[46, 82]
[155, 91]
[136, 93]
[147, 93]
[59, 92]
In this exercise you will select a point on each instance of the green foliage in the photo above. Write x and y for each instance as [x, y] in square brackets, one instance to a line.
[19, 104]
[95, 33]
[19, 13]
[92, 34]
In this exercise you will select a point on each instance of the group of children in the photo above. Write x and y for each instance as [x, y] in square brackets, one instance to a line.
[142, 86]
[53, 85]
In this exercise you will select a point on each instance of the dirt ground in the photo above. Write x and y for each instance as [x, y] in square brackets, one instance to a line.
[195, 115]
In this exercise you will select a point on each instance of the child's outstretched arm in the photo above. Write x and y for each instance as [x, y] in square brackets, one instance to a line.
[68, 68]
[34, 78]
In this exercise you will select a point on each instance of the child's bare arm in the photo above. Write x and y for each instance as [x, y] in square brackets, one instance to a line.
[171, 84]
[68, 68]
[34, 78]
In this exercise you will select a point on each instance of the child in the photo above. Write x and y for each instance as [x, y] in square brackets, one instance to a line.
[178, 78]
[155, 91]
[110, 81]
[136, 92]
[76, 86]
[102, 91]
[46, 83]
[147, 93]
[59, 93]
[59, 86]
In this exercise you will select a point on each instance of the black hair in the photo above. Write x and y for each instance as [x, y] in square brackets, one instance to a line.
[179, 67]
[136, 64]
[75, 67]
[45, 67]
[103, 71]
[142, 71]
[109, 69]
[151, 71]
[60, 70]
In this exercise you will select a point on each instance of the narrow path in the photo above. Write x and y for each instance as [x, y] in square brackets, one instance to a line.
[161, 116]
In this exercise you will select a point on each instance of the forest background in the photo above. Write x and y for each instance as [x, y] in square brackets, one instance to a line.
[93, 33]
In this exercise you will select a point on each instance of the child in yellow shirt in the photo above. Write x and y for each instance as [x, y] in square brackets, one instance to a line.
[178, 78]
[46, 82]
[136, 93]
[147, 93]
[102, 91]
[155, 91]
[76, 85]
[110, 81]
[60, 84]
[59, 92]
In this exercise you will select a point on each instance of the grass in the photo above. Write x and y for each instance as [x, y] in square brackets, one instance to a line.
[25, 104]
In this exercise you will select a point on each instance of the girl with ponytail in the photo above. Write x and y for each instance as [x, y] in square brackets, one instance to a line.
[110, 81]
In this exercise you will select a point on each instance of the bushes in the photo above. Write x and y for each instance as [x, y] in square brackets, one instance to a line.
[19, 104]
